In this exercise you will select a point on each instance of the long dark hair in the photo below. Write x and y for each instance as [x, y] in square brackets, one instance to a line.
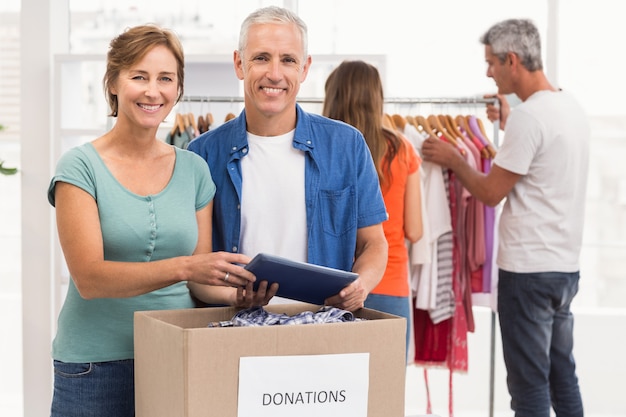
[354, 94]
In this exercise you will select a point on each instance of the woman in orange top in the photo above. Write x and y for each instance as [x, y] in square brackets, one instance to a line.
[354, 94]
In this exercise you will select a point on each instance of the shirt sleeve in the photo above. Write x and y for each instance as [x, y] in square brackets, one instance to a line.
[522, 140]
[205, 187]
[74, 167]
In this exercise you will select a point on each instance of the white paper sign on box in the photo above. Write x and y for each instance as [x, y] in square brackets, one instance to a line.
[334, 385]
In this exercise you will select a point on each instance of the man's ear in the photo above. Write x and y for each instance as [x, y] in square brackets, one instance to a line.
[512, 58]
[305, 69]
[238, 64]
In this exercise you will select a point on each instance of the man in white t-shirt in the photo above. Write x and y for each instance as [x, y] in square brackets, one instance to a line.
[292, 183]
[541, 169]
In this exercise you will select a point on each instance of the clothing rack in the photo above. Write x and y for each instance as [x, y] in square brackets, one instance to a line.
[496, 129]
[397, 100]
[409, 101]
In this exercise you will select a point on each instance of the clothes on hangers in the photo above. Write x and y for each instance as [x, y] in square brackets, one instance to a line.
[454, 259]
[185, 129]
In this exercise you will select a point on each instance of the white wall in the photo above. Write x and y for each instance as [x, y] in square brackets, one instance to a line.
[600, 334]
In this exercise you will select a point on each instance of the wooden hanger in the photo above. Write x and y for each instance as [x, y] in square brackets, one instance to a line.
[179, 125]
[423, 126]
[388, 122]
[461, 123]
[449, 128]
[482, 128]
[479, 132]
[454, 126]
[440, 131]
[229, 116]
[192, 121]
[399, 121]
[490, 147]
[202, 127]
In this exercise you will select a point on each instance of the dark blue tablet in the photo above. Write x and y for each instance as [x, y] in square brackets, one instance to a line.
[299, 281]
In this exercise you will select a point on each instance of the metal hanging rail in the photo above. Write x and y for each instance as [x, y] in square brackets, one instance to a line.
[396, 100]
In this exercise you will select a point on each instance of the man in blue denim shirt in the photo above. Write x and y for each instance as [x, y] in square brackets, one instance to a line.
[311, 191]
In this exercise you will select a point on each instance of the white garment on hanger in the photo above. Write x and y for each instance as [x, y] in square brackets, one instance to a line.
[437, 221]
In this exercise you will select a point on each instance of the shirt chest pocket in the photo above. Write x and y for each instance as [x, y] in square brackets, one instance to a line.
[338, 210]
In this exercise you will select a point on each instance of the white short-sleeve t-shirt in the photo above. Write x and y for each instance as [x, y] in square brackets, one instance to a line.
[273, 210]
[547, 142]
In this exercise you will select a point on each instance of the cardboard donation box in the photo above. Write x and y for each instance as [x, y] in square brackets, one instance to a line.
[185, 369]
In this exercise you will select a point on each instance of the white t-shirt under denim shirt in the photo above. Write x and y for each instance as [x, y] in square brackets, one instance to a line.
[273, 176]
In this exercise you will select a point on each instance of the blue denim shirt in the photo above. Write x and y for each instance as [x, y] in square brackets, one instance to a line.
[342, 190]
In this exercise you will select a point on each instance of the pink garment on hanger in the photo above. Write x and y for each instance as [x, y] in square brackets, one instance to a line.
[473, 124]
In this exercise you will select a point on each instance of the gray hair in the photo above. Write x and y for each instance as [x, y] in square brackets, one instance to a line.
[519, 36]
[272, 14]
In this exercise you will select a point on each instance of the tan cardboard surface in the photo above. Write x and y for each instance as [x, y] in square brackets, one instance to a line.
[185, 369]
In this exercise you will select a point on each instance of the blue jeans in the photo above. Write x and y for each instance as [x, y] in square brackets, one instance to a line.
[97, 389]
[537, 342]
[400, 306]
